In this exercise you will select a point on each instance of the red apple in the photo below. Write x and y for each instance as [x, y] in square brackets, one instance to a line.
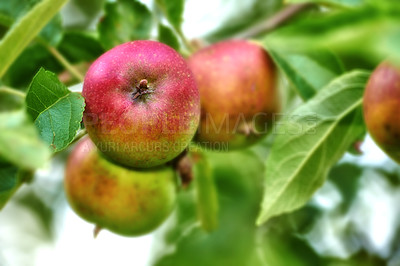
[125, 201]
[142, 104]
[236, 80]
[381, 103]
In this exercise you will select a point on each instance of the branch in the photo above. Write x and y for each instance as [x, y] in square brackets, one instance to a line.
[71, 69]
[274, 21]
[4, 89]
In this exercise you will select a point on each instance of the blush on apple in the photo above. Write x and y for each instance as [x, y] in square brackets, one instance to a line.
[125, 201]
[381, 103]
[142, 104]
[237, 86]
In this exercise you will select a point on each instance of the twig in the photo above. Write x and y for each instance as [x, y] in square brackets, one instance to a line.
[12, 91]
[80, 135]
[185, 41]
[6, 22]
[63, 61]
[275, 21]
[178, 30]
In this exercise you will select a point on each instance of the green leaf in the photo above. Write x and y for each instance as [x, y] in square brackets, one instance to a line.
[19, 141]
[9, 180]
[35, 203]
[124, 20]
[52, 33]
[308, 72]
[310, 141]
[342, 3]
[173, 10]
[207, 201]
[28, 63]
[12, 10]
[78, 46]
[57, 112]
[167, 36]
[25, 29]
[238, 177]
[369, 31]
[346, 177]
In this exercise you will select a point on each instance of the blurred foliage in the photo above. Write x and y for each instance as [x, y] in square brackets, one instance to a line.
[80, 46]
[206, 191]
[9, 102]
[19, 141]
[11, 11]
[316, 51]
[173, 10]
[342, 3]
[370, 31]
[247, 13]
[8, 182]
[125, 20]
[37, 205]
[238, 179]
[23, 32]
[167, 36]
[25, 67]
[346, 177]
[308, 72]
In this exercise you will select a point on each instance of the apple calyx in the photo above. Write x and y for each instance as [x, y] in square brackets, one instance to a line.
[141, 89]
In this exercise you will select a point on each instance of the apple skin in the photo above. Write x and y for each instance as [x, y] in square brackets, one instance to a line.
[381, 104]
[237, 81]
[146, 130]
[125, 201]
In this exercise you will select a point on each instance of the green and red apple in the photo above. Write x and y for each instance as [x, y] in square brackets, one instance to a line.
[125, 201]
[237, 84]
[381, 103]
[142, 104]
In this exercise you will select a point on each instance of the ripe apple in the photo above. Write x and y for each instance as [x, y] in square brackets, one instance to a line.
[381, 103]
[125, 201]
[142, 104]
[236, 80]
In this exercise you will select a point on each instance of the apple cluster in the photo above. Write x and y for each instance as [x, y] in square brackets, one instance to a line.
[144, 105]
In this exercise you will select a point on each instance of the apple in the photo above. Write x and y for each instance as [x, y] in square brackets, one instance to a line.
[142, 104]
[125, 201]
[237, 84]
[381, 104]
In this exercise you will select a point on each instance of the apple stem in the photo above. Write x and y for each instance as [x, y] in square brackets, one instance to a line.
[142, 89]
[184, 167]
[185, 170]
[143, 84]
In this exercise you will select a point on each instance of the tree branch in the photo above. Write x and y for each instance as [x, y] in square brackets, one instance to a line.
[274, 21]
[71, 69]
[4, 89]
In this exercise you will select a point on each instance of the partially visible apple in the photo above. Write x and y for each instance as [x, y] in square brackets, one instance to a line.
[125, 201]
[381, 103]
[238, 93]
[142, 104]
